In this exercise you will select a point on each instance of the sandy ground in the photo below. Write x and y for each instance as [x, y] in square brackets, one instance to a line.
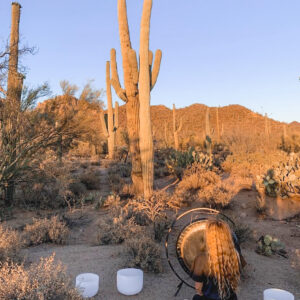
[261, 273]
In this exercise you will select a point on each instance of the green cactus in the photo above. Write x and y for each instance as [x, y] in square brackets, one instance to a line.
[283, 179]
[267, 245]
[267, 240]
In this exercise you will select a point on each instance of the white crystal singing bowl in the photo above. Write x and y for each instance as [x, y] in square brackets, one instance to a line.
[130, 281]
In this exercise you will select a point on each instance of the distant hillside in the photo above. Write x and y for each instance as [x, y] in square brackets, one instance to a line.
[232, 119]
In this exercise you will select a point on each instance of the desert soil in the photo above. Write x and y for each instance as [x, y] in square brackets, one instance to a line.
[80, 255]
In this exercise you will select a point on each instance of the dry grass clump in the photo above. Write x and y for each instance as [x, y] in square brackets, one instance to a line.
[243, 164]
[46, 231]
[43, 280]
[90, 180]
[10, 244]
[199, 184]
[144, 253]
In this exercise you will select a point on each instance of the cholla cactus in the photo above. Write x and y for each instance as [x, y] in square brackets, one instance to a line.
[268, 245]
[284, 179]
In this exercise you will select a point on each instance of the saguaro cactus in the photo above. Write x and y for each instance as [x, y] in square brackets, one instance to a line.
[14, 78]
[138, 83]
[176, 129]
[208, 141]
[13, 96]
[112, 120]
[218, 126]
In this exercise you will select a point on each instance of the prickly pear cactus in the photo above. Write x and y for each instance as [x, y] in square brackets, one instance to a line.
[283, 179]
[267, 245]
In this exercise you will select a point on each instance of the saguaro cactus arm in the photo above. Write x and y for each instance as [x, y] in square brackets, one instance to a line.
[156, 67]
[116, 115]
[103, 124]
[115, 77]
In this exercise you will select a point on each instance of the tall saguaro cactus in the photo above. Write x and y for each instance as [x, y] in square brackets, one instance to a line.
[218, 125]
[138, 82]
[208, 141]
[14, 79]
[176, 129]
[13, 97]
[112, 119]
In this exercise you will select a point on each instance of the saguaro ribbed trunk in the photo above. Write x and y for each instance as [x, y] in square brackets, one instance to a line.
[13, 95]
[142, 173]
[218, 126]
[146, 139]
[112, 119]
[175, 129]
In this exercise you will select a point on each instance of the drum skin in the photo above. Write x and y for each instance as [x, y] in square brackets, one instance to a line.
[190, 243]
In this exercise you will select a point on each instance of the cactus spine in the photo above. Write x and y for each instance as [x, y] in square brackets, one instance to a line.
[176, 129]
[112, 120]
[138, 84]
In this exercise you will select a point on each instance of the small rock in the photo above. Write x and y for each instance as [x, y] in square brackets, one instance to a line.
[243, 215]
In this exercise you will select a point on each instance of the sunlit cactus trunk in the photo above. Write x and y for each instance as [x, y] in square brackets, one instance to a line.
[146, 139]
[218, 125]
[176, 129]
[13, 96]
[138, 84]
[208, 142]
[112, 119]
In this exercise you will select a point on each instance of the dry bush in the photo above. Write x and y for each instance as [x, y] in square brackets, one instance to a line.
[44, 280]
[123, 169]
[90, 180]
[243, 232]
[47, 186]
[10, 244]
[144, 253]
[116, 182]
[77, 188]
[46, 231]
[242, 164]
[115, 229]
[208, 187]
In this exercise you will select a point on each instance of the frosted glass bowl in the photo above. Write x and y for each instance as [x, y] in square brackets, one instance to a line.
[277, 294]
[87, 284]
[130, 281]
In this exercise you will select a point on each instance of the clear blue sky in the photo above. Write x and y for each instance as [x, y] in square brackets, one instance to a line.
[216, 52]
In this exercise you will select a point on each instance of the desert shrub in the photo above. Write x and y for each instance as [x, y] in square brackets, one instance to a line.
[122, 169]
[43, 280]
[115, 229]
[144, 253]
[77, 188]
[179, 161]
[90, 180]
[46, 186]
[206, 186]
[45, 231]
[249, 165]
[290, 144]
[84, 165]
[116, 182]
[243, 232]
[121, 153]
[10, 244]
